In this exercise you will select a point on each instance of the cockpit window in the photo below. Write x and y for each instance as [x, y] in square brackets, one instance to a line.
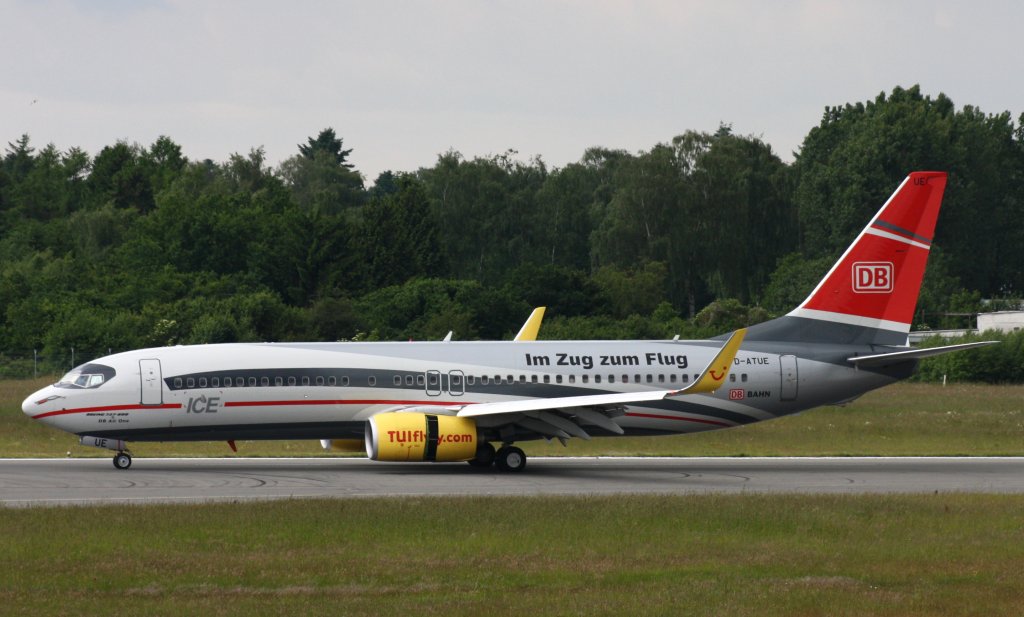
[87, 376]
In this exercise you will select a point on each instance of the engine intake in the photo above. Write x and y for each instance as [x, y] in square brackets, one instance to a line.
[400, 436]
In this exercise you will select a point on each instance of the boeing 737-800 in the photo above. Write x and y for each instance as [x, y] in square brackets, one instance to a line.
[450, 401]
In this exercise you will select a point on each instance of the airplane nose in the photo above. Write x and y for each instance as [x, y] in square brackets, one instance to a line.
[36, 402]
[29, 403]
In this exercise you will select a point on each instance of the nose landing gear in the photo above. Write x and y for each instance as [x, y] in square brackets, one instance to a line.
[122, 460]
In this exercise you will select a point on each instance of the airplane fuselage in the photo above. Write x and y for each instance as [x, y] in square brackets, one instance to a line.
[329, 390]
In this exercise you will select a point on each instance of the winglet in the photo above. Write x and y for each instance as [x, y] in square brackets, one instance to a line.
[532, 326]
[714, 374]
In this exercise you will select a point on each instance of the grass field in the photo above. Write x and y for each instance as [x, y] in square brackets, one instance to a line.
[645, 555]
[904, 419]
[948, 554]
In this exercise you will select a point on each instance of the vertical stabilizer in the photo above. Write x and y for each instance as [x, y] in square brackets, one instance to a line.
[870, 294]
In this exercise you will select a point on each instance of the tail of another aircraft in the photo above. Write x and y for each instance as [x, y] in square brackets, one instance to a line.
[869, 295]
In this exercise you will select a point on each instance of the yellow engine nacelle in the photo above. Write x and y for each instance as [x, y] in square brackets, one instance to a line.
[400, 436]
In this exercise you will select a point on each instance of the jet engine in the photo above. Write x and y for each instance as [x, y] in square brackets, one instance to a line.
[410, 436]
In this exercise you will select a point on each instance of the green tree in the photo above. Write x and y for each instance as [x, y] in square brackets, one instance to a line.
[320, 177]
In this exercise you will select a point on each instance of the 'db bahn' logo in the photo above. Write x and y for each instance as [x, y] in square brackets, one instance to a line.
[872, 277]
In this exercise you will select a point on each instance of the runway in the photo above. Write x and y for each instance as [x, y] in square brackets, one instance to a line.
[47, 482]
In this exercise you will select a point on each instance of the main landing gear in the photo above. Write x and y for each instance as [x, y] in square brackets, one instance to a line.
[507, 458]
[122, 460]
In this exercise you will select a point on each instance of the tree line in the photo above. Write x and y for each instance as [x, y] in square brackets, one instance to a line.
[139, 246]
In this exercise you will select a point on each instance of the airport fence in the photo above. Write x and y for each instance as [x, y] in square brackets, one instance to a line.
[36, 363]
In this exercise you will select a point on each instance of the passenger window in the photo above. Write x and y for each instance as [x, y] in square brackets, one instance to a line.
[686, 379]
[419, 380]
[547, 379]
[497, 380]
[305, 380]
[558, 379]
[597, 379]
[470, 380]
[732, 377]
[522, 379]
[661, 378]
[510, 379]
[586, 378]
[408, 380]
[319, 380]
[625, 379]
[533, 379]
[332, 380]
[743, 378]
[650, 378]
[279, 381]
[191, 383]
[239, 381]
[484, 380]
[431, 379]
[672, 377]
[264, 381]
[291, 381]
[177, 382]
[397, 380]
[202, 382]
[611, 379]
[572, 379]
[215, 382]
[372, 381]
[344, 380]
[456, 380]
[636, 379]
[252, 382]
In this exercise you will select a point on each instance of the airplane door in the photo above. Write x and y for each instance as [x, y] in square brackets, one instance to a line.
[151, 382]
[433, 383]
[790, 378]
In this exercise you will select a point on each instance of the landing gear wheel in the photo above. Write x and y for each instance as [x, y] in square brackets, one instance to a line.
[484, 455]
[122, 460]
[510, 458]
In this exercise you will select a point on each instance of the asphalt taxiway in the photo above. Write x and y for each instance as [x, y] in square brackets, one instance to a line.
[40, 482]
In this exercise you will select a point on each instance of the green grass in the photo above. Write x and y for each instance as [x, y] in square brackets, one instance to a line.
[904, 419]
[641, 555]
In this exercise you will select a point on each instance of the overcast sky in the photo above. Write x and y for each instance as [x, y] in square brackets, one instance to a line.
[402, 82]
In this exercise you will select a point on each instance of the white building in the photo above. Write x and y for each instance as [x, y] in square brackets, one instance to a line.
[1003, 321]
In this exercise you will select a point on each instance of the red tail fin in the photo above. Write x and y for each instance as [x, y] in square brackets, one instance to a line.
[875, 284]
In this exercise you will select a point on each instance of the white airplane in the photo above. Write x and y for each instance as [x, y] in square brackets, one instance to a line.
[450, 401]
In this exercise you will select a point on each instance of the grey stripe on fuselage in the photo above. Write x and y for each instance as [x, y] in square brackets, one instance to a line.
[787, 333]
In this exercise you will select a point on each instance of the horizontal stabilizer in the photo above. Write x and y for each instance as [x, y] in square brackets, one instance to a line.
[914, 354]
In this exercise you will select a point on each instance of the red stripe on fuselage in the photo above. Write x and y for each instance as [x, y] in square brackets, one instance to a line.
[107, 408]
[340, 402]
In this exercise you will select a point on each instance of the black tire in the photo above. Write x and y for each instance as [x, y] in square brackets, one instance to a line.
[122, 460]
[485, 455]
[510, 458]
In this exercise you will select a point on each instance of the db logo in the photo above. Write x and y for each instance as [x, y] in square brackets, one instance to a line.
[872, 277]
[736, 394]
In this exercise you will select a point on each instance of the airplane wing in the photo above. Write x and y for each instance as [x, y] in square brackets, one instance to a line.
[541, 414]
[883, 359]
[532, 326]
